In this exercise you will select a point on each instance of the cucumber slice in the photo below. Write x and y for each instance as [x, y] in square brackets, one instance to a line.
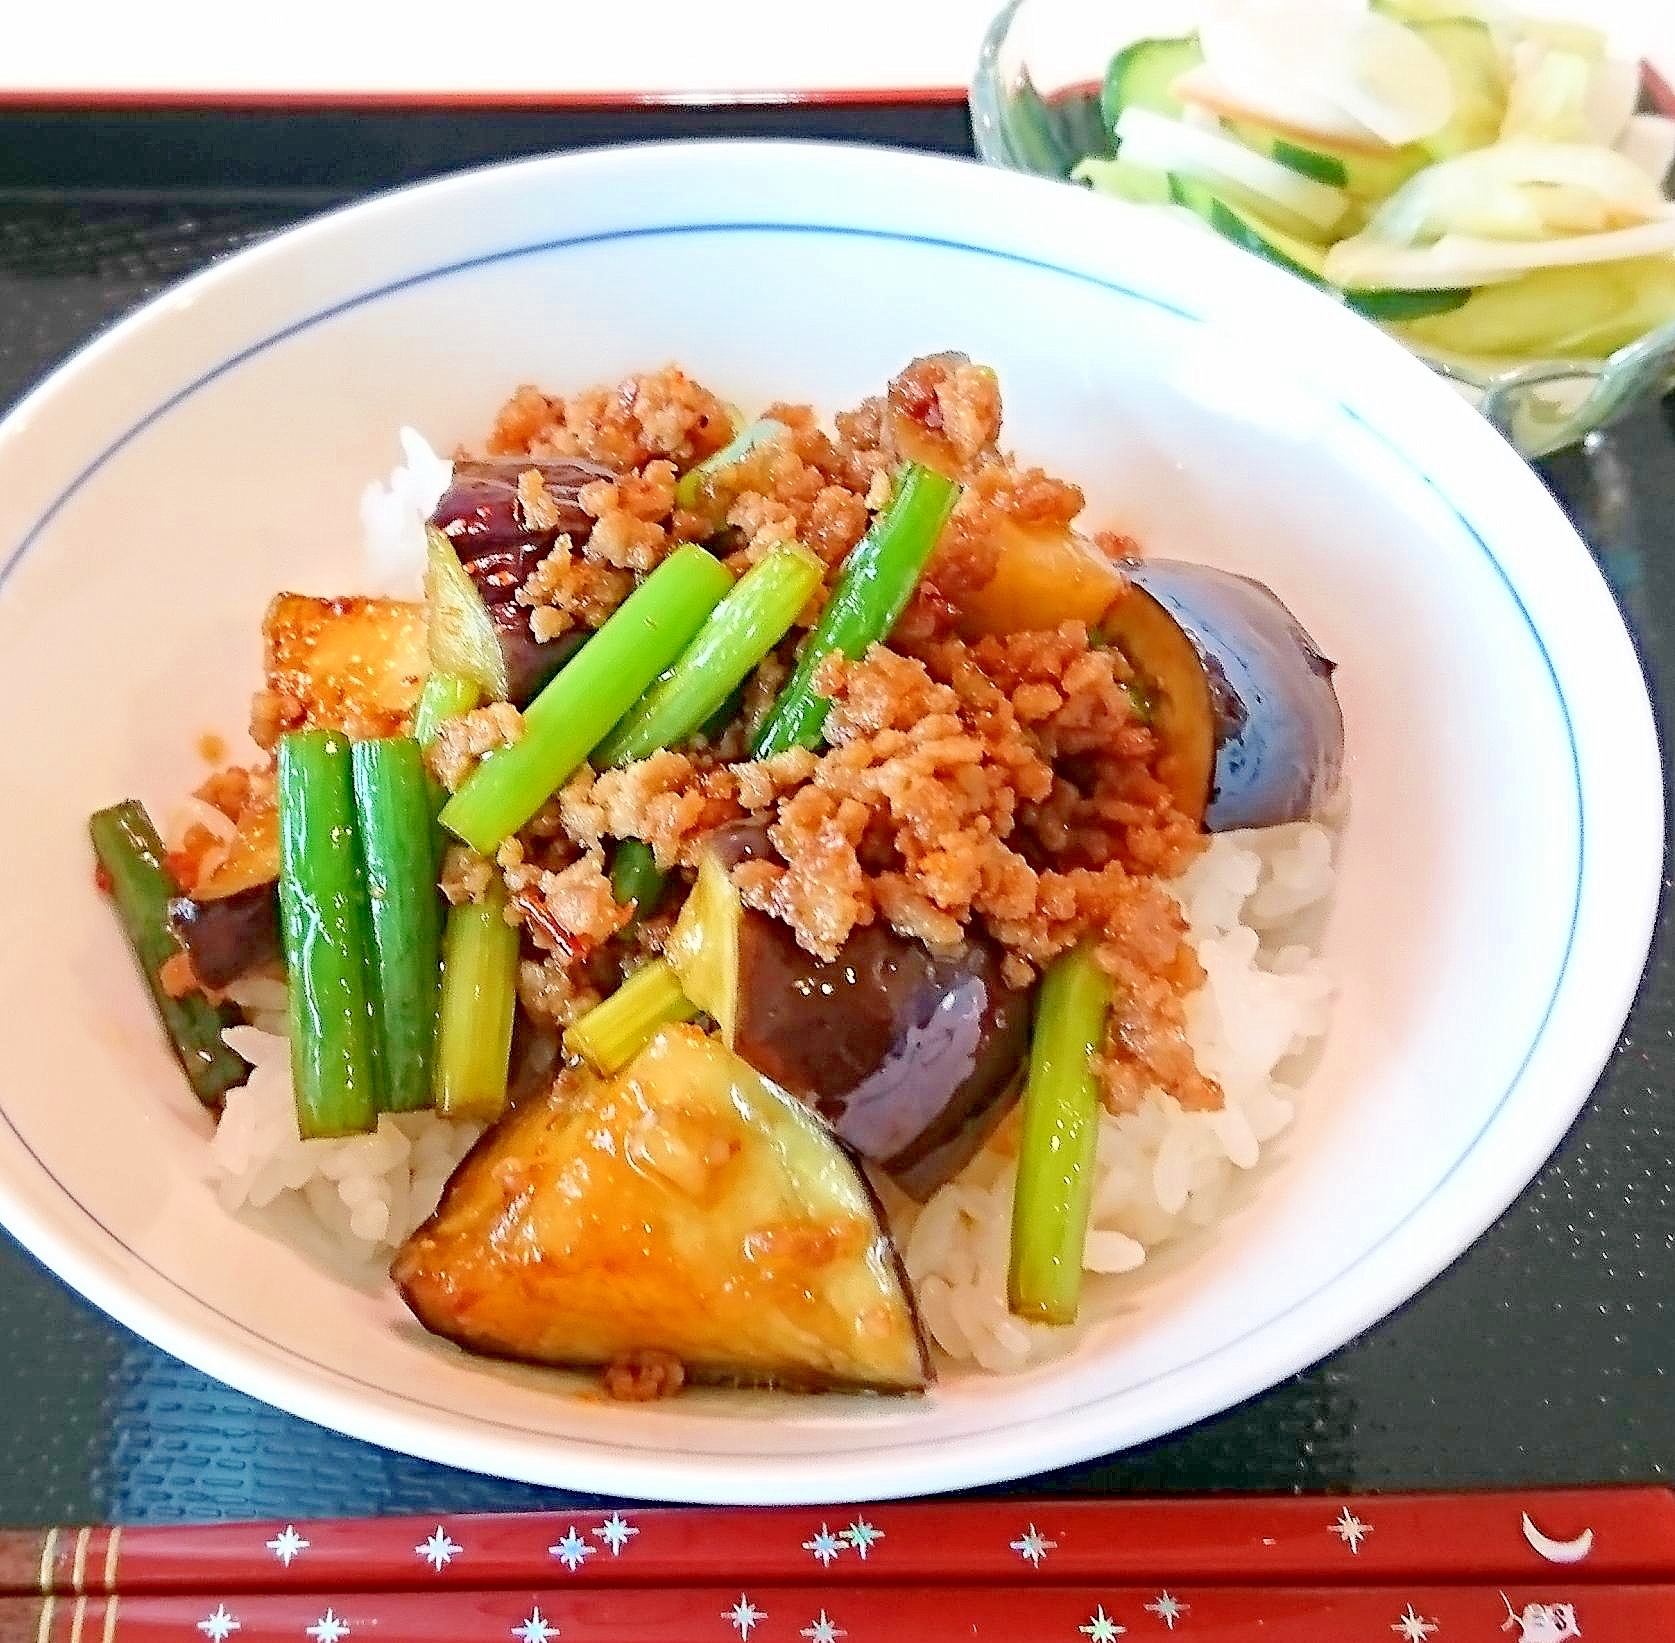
[1033, 134]
[1582, 312]
[1324, 168]
[1236, 222]
[1247, 231]
[1479, 74]
[1362, 173]
[1388, 307]
[1140, 76]
[1124, 180]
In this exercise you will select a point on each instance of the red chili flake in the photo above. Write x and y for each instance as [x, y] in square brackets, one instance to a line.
[548, 931]
[102, 878]
[918, 399]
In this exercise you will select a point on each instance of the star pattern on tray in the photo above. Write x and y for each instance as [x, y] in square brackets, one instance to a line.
[823, 1630]
[1033, 1546]
[824, 1546]
[1101, 1628]
[1350, 1530]
[571, 1550]
[1413, 1626]
[439, 1551]
[744, 1614]
[861, 1535]
[616, 1532]
[329, 1628]
[536, 1629]
[1167, 1608]
[218, 1627]
[287, 1545]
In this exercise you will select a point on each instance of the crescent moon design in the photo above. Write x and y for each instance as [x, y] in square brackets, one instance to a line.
[1558, 1551]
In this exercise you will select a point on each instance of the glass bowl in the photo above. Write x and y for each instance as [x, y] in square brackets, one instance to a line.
[1035, 107]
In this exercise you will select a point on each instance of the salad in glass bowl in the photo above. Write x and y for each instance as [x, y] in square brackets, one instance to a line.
[1489, 186]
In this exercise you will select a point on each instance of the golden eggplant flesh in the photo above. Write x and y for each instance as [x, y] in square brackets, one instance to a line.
[355, 665]
[686, 1207]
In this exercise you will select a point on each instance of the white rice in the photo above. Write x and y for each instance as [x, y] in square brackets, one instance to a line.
[367, 1192]
[393, 518]
[1162, 1172]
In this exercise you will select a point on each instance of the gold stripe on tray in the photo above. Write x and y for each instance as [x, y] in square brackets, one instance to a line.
[49, 1549]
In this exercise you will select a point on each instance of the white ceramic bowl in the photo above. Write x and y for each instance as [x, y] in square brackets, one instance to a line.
[1499, 872]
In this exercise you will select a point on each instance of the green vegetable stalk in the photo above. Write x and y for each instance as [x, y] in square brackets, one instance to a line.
[140, 884]
[327, 933]
[873, 589]
[696, 487]
[635, 876]
[479, 999]
[445, 696]
[574, 712]
[1060, 1131]
[397, 843]
[741, 630]
[615, 1030]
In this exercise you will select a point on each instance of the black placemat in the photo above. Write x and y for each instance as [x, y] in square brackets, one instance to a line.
[1543, 1356]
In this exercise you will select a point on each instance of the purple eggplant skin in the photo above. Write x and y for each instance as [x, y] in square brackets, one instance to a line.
[905, 1053]
[1279, 730]
[482, 517]
[530, 662]
[229, 936]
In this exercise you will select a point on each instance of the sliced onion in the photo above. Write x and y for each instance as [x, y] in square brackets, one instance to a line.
[1383, 76]
[1548, 99]
[1648, 141]
[1489, 12]
[1468, 193]
[1613, 95]
[1394, 83]
[1292, 109]
[1167, 145]
[1199, 117]
[1459, 259]
[1563, 35]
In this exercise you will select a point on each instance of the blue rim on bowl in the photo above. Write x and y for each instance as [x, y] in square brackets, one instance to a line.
[1539, 405]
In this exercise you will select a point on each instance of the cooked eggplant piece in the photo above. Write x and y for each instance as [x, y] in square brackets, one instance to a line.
[483, 520]
[907, 1054]
[354, 665]
[230, 922]
[685, 1207]
[251, 858]
[227, 937]
[1176, 685]
[480, 512]
[529, 662]
[1238, 693]
[461, 635]
[703, 947]
[1042, 578]
[1279, 731]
